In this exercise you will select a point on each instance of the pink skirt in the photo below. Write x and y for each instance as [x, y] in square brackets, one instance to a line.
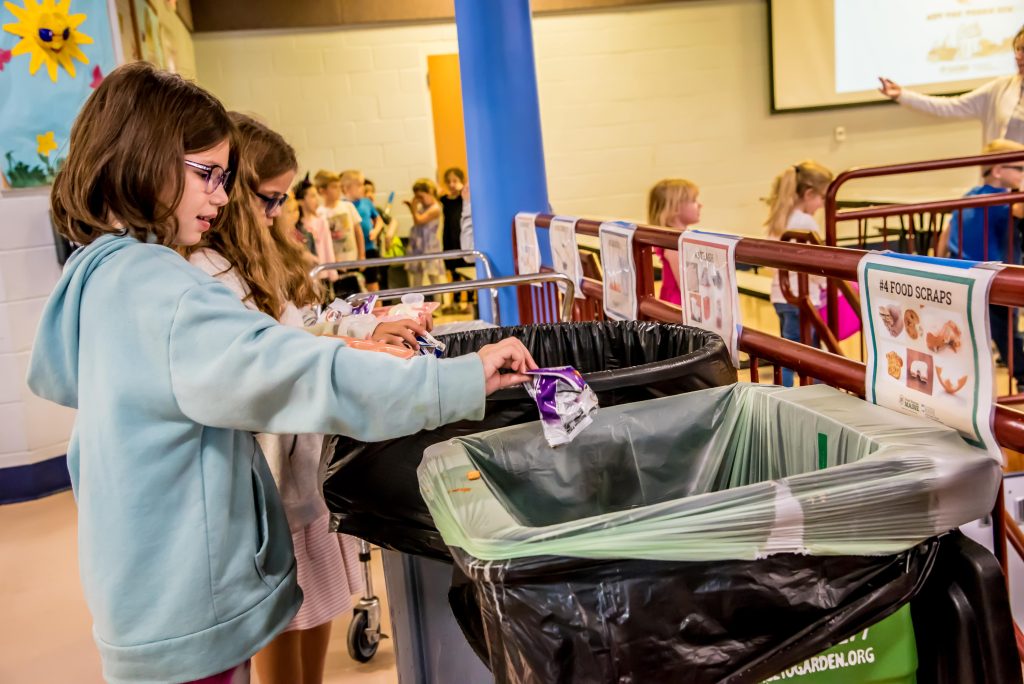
[239, 674]
[329, 574]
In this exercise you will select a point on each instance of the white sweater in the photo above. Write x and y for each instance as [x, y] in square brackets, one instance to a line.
[993, 103]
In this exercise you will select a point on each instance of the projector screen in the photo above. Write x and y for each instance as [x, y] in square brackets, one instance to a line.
[828, 53]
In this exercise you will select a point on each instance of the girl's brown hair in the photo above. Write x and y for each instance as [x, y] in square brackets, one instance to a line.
[789, 187]
[269, 261]
[125, 167]
[665, 198]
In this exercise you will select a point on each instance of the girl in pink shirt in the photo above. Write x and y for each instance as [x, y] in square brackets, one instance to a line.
[309, 201]
[672, 203]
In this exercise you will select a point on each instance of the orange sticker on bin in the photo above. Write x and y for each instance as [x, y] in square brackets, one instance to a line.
[473, 475]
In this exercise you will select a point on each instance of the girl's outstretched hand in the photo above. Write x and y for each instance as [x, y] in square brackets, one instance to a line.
[508, 353]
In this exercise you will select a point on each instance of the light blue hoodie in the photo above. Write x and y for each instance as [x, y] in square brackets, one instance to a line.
[184, 550]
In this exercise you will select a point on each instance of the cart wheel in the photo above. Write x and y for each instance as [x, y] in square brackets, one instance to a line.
[359, 647]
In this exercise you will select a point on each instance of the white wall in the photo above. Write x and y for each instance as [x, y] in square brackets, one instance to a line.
[31, 430]
[345, 99]
[627, 97]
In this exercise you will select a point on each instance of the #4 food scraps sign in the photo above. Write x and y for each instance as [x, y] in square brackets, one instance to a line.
[928, 340]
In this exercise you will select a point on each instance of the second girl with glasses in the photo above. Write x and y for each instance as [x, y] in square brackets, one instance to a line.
[184, 549]
[256, 258]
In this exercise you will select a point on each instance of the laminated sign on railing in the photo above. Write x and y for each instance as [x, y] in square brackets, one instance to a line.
[527, 246]
[565, 253]
[619, 270]
[928, 342]
[707, 268]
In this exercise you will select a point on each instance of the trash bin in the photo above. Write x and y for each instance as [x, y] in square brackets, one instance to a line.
[373, 492]
[371, 489]
[727, 533]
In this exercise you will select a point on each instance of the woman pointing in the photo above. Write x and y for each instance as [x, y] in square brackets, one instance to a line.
[998, 103]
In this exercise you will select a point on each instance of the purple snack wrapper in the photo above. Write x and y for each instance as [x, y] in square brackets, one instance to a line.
[564, 400]
[365, 306]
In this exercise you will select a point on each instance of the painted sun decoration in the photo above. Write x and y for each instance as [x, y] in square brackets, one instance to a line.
[49, 34]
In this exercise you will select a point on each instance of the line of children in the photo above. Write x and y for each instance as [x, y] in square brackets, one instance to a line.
[185, 552]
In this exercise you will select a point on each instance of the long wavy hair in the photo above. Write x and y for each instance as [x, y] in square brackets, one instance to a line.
[267, 258]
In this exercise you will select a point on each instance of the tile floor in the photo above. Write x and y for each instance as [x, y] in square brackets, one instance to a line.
[45, 633]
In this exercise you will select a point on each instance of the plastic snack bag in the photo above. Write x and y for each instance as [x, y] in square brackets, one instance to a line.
[564, 400]
[430, 345]
[365, 306]
[335, 311]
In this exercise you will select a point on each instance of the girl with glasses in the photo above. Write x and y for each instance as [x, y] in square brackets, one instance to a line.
[185, 552]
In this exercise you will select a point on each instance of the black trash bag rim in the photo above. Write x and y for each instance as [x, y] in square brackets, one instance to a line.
[712, 345]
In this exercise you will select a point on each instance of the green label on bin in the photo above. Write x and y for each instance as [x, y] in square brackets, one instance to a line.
[822, 451]
[885, 653]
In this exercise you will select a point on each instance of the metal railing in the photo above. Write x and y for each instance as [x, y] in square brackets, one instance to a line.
[810, 363]
[922, 223]
[491, 284]
[408, 259]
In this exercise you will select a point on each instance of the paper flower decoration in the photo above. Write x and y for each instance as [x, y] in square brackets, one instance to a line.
[45, 143]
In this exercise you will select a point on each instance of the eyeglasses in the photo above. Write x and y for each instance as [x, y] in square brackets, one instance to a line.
[272, 203]
[215, 176]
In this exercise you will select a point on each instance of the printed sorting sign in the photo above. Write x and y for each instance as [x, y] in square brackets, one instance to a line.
[707, 264]
[928, 340]
[619, 270]
[565, 253]
[527, 247]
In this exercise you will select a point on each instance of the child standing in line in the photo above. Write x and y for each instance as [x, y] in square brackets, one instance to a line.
[451, 210]
[344, 222]
[388, 242]
[353, 185]
[184, 549]
[797, 193]
[672, 203]
[425, 238]
[315, 226]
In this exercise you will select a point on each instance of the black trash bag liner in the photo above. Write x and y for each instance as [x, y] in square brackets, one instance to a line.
[558, 620]
[372, 489]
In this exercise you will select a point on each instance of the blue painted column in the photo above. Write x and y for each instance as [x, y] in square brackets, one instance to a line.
[502, 117]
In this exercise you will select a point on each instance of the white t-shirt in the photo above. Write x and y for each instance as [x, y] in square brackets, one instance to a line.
[344, 220]
[798, 220]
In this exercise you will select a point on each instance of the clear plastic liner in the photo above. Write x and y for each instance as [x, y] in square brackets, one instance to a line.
[738, 472]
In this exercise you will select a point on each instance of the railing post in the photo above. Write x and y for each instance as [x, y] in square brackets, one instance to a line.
[643, 258]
